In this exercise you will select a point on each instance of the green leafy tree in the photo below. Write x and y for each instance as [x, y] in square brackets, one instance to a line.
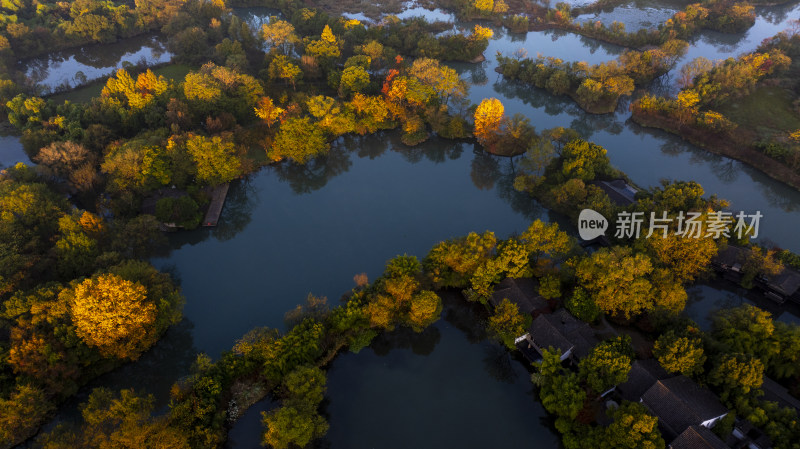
[354, 79]
[632, 427]
[305, 387]
[583, 160]
[737, 374]
[299, 140]
[582, 306]
[215, 158]
[606, 365]
[289, 427]
[788, 364]
[559, 390]
[23, 411]
[550, 286]
[282, 68]
[116, 421]
[680, 353]
[748, 330]
[183, 211]
[326, 47]
[507, 323]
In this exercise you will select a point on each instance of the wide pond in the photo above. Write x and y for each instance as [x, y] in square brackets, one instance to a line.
[445, 387]
[290, 231]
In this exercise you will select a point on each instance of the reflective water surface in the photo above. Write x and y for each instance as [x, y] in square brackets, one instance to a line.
[288, 231]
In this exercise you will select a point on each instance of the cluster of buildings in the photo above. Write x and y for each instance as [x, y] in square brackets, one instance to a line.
[782, 287]
[686, 411]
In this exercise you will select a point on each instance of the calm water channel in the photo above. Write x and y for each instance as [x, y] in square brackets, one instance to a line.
[289, 231]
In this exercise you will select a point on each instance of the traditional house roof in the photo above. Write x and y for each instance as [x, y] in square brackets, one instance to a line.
[786, 283]
[697, 437]
[619, 191]
[679, 402]
[522, 292]
[563, 331]
[731, 257]
[642, 376]
[750, 436]
[775, 392]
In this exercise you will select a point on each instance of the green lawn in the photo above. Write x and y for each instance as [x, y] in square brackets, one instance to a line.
[85, 94]
[79, 95]
[768, 110]
[174, 71]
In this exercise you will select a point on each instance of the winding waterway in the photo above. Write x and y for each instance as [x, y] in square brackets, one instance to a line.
[76, 66]
[288, 231]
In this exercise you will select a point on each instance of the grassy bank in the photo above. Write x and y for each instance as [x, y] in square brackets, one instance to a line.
[85, 93]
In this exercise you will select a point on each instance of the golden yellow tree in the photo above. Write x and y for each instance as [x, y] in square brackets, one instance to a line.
[425, 309]
[484, 6]
[488, 118]
[687, 104]
[381, 312]
[685, 258]
[267, 111]
[480, 33]
[113, 315]
[279, 33]
[326, 46]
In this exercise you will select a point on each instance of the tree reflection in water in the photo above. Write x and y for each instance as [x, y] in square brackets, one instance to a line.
[485, 169]
[469, 318]
[420, 343]
[497, 361]
[316, 173]
[237, 213]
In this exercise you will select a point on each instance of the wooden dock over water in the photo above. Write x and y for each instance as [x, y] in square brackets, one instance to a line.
[218, 195]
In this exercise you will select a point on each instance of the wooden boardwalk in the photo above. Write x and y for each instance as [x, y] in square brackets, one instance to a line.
[218, 195]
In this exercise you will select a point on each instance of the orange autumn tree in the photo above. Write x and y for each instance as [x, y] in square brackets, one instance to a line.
[489, 117]
[113, 315]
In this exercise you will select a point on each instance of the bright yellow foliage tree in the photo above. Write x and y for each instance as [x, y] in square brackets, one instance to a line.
[279, 33]
[685, 258]
[480, 33]
[113, 315]
[484, 6]
[122, 89]
[488, 119]
[267, 111]
[326, 46]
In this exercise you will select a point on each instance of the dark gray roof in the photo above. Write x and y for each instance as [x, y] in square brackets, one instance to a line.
[775, 392]
[522, 292]
[786, 283]
[679, 403]
[643, 374]
[546, 335]
[730, 256]
[697, 437]
[752, 435]
[563, 331]
[619, 191]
